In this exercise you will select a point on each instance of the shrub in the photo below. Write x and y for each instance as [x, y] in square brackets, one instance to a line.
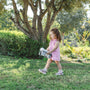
[72, 56]
[15, 43]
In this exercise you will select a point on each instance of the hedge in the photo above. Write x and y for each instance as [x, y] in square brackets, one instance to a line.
[16, 43]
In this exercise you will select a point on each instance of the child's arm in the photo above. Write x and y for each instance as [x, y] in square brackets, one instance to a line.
[47, 48]
[55, 47]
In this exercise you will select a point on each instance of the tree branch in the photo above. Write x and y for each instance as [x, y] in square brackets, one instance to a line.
[24, 13]
[61, 6]
[43, 13]
[40, 7]
[31, 4]
[22, 29]
[48, 5]
[55, 12]
[50, 19]
[15, 11]
[47, 27]
[31, 30]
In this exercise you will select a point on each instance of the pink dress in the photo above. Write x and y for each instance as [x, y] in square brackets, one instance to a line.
[56, 53]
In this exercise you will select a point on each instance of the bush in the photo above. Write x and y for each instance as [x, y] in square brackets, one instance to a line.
[65, 50]
[72, 56]
[15, 43]
[75, 52]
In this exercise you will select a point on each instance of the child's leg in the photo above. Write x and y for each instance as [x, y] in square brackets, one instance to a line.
[46, 67]
[48, 63]
[59, 65]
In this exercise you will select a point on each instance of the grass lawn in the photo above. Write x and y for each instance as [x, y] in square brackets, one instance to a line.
[22, 74]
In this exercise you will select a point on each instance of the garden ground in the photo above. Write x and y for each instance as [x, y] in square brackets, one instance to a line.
[22, 74]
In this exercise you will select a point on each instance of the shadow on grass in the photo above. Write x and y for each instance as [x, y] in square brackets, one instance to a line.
[14, 63]
[22, 74]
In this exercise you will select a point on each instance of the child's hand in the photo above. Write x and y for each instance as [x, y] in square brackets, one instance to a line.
[49, 52]
[47, 49]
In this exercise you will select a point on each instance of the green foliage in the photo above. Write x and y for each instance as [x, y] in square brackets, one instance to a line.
[80, 37]
[72, 56]
[75, 52]
[70, 20]
[18, 44]
[65, 50]
[2, 8]
[83, 34]
[5, 22]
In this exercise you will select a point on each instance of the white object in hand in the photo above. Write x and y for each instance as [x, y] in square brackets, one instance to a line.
[43, 52]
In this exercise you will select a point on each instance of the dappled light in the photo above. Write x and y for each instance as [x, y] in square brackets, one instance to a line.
[44, 44]
[19, 71]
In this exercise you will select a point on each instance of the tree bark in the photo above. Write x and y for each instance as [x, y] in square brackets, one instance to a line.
[47, 27]
[63, 39]
[40, 29]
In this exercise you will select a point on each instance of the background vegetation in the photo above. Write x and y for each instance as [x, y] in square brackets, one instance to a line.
[19, 59]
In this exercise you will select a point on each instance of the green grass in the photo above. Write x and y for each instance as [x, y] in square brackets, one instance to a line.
[22, 74]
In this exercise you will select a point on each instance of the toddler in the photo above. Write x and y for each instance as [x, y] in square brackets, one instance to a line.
[53, 49]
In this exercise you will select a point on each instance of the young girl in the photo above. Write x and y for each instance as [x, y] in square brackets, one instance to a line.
[53, 49]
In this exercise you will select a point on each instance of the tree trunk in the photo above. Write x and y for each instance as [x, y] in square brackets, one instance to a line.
[63, 39]
[40, 29]
[35, 31]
